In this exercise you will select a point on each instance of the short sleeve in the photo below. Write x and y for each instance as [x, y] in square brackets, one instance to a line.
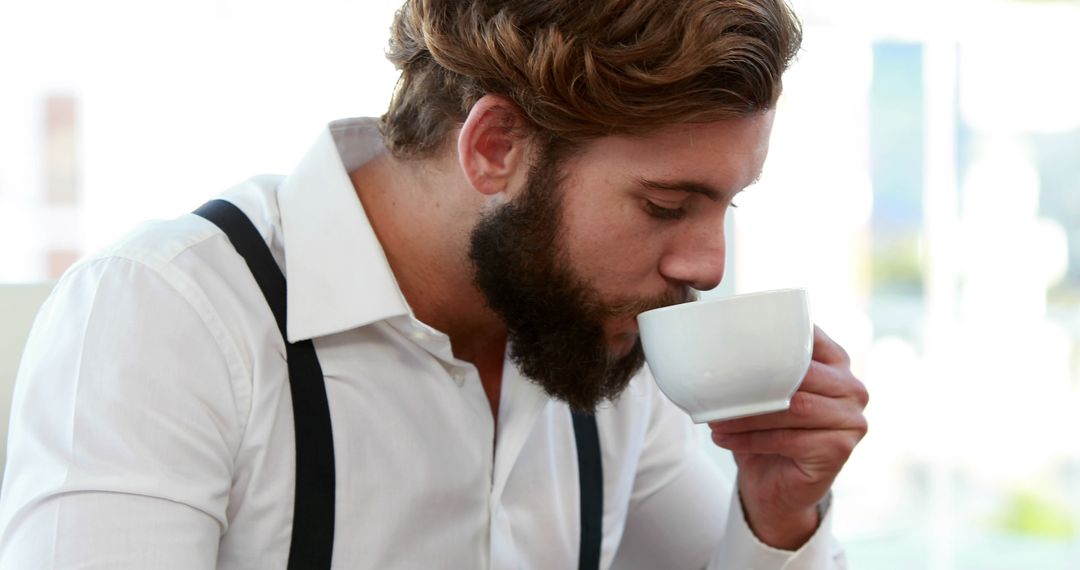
[124, 428]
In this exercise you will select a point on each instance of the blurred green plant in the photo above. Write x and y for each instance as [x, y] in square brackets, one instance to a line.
[896, 265]
[1030, 514]
[1064, 294]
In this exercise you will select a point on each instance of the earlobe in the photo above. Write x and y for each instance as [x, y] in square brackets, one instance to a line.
[491, 145]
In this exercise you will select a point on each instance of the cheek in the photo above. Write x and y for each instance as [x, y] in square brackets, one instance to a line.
[610, 241]
[615, 253]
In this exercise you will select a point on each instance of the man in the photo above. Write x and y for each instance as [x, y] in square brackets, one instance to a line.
[468, 271]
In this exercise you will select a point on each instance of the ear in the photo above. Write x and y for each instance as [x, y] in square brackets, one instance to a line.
[493, 145]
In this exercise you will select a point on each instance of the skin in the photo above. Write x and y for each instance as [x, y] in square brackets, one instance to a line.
[642, 216]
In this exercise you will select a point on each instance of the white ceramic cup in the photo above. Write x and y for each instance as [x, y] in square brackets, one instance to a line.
[732, 357]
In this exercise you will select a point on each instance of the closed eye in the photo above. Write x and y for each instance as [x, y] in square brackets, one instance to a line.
[663, 213]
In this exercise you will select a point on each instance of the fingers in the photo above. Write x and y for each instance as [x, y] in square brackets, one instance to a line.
[825, 418]
[827, 350]
[808, 411]
[834, 382]
[828, 446]
[830, 372]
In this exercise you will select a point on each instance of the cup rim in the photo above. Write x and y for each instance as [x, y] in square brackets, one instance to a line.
[722, 299]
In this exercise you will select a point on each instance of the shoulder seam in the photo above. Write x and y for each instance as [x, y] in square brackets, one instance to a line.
[239, 373]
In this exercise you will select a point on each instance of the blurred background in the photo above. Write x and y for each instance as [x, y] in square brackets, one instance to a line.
[919, 186]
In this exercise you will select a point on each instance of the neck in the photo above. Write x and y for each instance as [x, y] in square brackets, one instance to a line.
[422, 213]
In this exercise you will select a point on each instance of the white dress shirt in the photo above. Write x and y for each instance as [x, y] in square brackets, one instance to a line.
[152, 424]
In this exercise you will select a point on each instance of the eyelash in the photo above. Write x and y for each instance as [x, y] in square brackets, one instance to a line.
[670, 213]
[664, 213]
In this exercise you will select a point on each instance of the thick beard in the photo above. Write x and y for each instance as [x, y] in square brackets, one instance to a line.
[554, 319]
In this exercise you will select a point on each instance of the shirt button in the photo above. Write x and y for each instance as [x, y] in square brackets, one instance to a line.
[458, 375]
[419, 335]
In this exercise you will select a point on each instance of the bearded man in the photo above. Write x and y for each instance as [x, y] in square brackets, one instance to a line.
[419, 350]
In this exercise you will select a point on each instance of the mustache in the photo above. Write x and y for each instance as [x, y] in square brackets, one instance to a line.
[633, 307]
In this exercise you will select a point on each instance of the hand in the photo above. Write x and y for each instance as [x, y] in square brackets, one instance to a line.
[788, 460]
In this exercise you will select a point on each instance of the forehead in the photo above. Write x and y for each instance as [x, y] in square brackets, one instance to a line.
[726, 154]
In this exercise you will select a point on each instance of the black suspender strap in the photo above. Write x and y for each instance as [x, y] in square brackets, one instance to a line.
[591, 479]
[313, 518]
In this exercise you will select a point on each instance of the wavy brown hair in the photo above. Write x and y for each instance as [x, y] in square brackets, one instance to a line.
[582, 69]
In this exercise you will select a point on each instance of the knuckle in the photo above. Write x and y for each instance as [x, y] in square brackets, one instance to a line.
[862, 395]
[862, 426]
[843, 354]
[818, 372]
[842, 447]
[802, 405]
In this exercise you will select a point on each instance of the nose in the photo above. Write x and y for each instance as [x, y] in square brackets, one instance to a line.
[697, 261]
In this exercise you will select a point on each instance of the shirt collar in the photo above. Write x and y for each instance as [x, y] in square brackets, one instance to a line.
[337, 273]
